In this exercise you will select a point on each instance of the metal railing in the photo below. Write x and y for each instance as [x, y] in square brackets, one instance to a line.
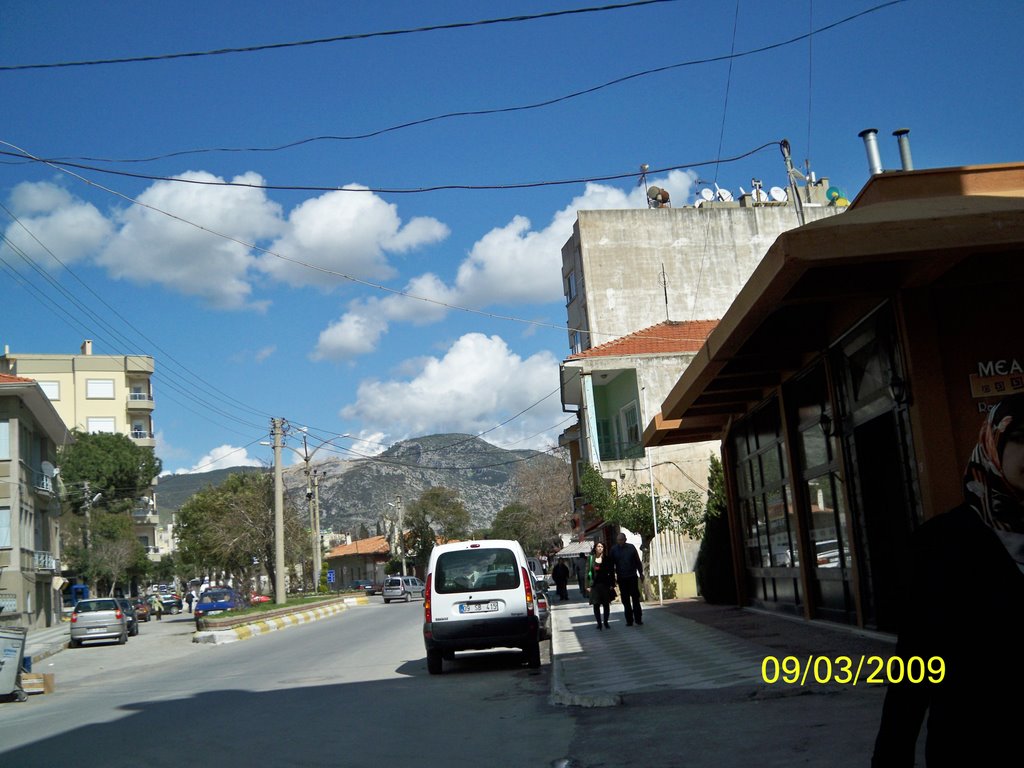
[140, 396]
[141, 434]
[8, 602]
[44, 561]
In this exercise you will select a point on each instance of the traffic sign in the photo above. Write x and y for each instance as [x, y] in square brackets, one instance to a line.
[330, 576]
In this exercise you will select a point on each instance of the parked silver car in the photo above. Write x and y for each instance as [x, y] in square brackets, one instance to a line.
[98, 619]
[402, 588]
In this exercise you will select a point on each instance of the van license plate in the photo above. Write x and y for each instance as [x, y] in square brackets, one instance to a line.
[478, 607]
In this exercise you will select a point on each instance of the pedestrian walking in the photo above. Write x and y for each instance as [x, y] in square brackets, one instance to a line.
[628, 571]
[189, 597]
[581, 573]
[601, 575]
[560, 575]
[157, 607]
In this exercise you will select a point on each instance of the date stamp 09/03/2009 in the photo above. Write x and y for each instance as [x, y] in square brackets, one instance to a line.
[851, 670]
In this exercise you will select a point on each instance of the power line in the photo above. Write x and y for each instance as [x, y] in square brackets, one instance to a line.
[335, 39]
[483, 112]
[63, 166]
[351, 278]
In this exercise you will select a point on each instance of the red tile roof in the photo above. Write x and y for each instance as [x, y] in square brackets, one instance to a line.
[6, 378]
[670, 337]
[375, 545]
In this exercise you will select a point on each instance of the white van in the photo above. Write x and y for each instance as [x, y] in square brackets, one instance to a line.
[479, 595]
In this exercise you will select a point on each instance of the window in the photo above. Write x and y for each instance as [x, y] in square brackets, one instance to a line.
[631, 424]
[99, 389]
[51, 389]
[5, 527]
[104, 424]
[576, 342]
[5, 439]
[570, 287]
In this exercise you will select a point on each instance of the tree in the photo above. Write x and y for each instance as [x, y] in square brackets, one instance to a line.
[105, 473]
[682, 512]
[437, 516]
[231, 527]
[112, 465]
[714, 569]
[544, 498]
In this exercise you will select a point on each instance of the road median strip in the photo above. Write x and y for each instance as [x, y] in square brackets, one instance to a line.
[232, 629]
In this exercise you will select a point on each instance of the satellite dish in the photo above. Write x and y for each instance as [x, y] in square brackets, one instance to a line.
[725, 195]
[707, 195]
[657, 197]
[833, 193]
[778, 194]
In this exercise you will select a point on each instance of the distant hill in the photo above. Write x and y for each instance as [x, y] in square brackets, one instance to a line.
[358, 492]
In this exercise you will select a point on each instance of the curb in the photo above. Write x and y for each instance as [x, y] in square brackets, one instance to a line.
[560, 694]
[265, 626]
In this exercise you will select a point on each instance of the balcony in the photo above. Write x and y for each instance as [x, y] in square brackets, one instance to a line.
[140, 401]
[45, 561]
[143, 438]
[43, 483]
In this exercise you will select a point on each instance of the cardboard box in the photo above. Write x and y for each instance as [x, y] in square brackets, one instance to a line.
[37, 683]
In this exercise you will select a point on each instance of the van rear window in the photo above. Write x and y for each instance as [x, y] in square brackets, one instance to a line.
[476, 570]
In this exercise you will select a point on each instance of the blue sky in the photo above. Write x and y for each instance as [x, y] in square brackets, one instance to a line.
[242, 333]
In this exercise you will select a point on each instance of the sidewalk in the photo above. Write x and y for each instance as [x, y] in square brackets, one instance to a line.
[684, 645]
[41, 643]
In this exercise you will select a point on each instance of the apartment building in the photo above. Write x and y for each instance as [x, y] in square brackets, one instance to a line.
[30, 433]
[100, 393]
[643, 289]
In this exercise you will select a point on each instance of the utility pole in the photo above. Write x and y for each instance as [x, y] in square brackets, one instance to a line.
[276, 429]
[401, 531]
[317, 551]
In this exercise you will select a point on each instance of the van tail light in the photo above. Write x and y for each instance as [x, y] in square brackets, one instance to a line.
[427, 613]
[118, 614]
[74, 617]
[529, 594]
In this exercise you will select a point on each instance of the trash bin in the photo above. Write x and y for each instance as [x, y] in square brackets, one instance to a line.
[12, 652]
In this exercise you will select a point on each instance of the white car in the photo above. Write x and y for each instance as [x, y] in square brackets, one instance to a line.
[402, 588]
[480, 595]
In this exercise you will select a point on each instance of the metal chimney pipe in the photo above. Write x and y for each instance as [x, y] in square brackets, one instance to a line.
[903, 138]
[870, 136]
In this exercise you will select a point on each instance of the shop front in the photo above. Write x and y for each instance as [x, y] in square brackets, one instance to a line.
[848, 380]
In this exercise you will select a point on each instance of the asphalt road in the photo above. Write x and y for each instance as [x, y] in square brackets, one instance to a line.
[349, 690]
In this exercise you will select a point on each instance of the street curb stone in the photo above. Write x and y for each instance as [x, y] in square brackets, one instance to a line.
[265, 626]
[560, 694]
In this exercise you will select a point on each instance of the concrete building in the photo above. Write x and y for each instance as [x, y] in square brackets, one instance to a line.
[101, 393]
[847, 383]
[643, 289]
[361, 559]
[30, 433]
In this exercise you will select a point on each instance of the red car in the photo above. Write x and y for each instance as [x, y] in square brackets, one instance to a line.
[255, 598]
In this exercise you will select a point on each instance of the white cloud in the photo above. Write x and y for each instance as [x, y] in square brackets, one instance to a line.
[222, 457]
[514, 264]
[510, 264]
[264, 353]
[359, 330]
[356, 333]
[478, 383]
[347, 232]
[70, 228]
[151, 247]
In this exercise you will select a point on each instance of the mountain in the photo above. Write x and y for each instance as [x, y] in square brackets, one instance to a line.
[356, 492]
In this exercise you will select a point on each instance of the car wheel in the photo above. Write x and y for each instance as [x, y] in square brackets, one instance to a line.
[135, 630]
[408, 596]
[533, 654]
[175, 611]
[434, 662]
[73, 643]
[386, 601]
[123, 638]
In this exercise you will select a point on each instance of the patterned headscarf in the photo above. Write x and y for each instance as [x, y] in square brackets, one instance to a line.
[985, 487]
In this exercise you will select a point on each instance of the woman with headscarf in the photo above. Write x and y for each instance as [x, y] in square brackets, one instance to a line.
[965, 605]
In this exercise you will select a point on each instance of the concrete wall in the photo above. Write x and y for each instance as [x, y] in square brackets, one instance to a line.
[708, 253]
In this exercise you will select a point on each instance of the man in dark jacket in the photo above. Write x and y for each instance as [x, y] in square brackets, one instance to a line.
[628, 572]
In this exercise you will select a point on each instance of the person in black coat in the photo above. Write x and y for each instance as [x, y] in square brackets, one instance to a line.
[964, 604]
[629, 569]
[560, 575]
[601, 577]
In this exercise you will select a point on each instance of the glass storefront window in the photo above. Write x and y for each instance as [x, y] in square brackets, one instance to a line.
[750, 536]
[828, 526]
[813, 447]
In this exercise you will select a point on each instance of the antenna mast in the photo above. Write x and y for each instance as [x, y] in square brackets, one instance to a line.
[664, 285]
